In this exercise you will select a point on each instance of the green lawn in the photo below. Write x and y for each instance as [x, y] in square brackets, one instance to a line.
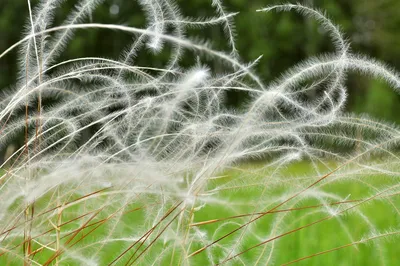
[339, 231]
[349, 227]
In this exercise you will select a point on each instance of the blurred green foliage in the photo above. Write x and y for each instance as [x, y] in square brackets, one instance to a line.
[372, 26]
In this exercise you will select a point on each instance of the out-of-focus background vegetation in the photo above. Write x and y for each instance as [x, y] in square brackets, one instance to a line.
[372, 26]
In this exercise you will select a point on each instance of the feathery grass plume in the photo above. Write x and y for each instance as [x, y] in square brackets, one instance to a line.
[162, 178]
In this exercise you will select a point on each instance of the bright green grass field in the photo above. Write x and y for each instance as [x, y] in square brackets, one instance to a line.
[382, 213]
[326, 235]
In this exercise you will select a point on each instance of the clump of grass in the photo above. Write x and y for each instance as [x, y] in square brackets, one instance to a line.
[159, 180]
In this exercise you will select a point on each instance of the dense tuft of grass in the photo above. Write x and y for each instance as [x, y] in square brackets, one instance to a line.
[125, 164]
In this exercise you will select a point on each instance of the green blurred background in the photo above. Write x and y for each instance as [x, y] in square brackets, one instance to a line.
[284, 39]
